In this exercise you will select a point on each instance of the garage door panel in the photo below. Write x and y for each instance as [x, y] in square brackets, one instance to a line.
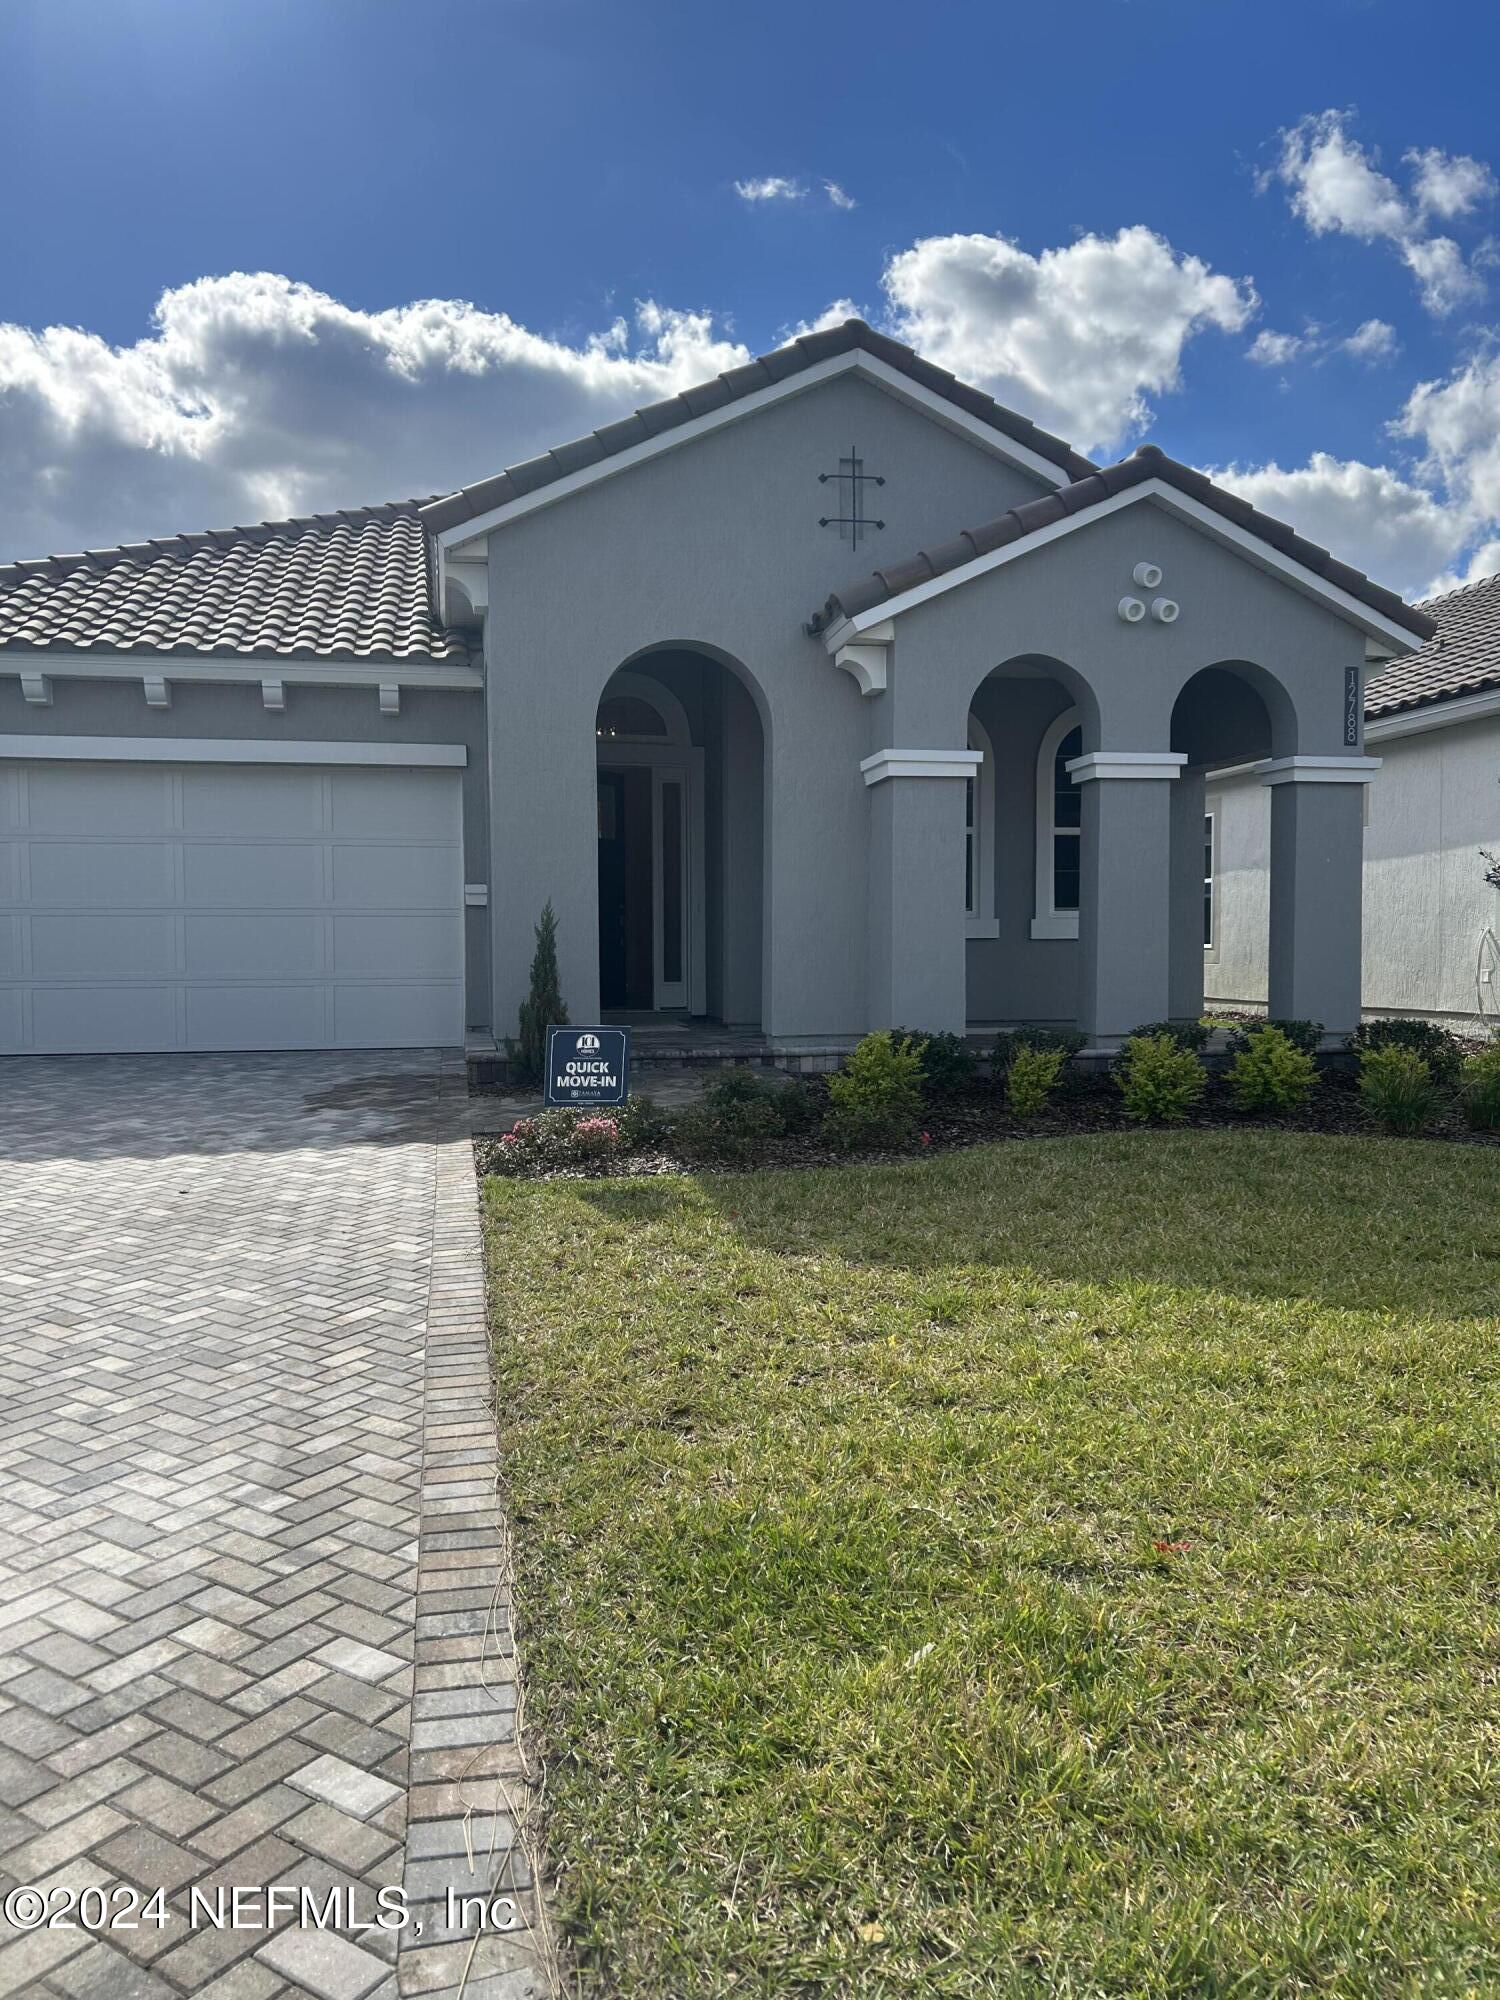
[231, 947]
[376, 876]
[103, 1018]
[394, 1015]
[100, 799]
[256, 1017]
[420, 805]
[253, 801]
[381, 945]
[80, 872]
[253, 875]
[96, 944]
[221, 907]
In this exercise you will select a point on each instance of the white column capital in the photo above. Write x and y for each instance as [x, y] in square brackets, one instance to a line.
[920, 764]
[1318, 770]
[1126, 764]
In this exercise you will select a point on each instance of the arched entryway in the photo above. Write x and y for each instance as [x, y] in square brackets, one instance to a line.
[680, 777]
[1226, 719]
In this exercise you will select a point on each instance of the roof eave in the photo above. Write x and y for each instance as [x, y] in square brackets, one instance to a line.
[1394, 638]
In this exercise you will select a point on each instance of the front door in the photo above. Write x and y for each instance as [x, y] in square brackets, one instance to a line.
[669, 886]
[645, 887]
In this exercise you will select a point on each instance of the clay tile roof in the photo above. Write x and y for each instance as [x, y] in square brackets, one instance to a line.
[1086, 491]
[783, 362]
[1462, 657]
[349, 586]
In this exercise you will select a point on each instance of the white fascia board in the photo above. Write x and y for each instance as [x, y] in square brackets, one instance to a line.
[869, 367]
[1436, 715]
[1369, 621]
[240, 668]
[227, 750]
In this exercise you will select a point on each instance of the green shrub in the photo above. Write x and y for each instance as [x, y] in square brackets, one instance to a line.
[736, 1132]
[1304, 1035]
[876, 1098]
[1441, 1051]
[1190, 1035]
[1270, 1073]
[1004, 1052]
[1161, 1078]
[1030, 1079]
[642, 1122]
[947, 1059]
[740, 1115]
[1396, 1087]
[543, 1006]
[1479, 1091]
[561, 1138]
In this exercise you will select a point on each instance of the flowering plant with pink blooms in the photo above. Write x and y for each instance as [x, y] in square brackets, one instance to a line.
[555, 1139]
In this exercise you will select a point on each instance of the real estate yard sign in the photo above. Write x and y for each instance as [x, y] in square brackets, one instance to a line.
[587, 1066]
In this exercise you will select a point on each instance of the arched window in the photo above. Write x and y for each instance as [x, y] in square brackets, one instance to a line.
[1059, 829]
[980, 920]
[629, 718]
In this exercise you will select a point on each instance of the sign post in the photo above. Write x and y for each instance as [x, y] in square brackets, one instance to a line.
[587, 1066]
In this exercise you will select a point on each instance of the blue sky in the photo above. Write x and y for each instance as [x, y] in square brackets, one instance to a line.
[1097, 209]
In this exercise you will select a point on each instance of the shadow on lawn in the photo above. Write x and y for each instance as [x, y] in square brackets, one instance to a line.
[1363, 1224]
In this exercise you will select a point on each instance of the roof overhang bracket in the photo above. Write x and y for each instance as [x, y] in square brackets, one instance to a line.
[866, 655]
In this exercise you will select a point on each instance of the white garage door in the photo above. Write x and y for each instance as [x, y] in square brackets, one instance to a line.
[221, 906]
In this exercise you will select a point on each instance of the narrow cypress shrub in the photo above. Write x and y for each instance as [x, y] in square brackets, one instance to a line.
[543, 1006]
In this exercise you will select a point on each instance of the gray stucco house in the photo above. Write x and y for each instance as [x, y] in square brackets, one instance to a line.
[1431, 898]
[826, 696]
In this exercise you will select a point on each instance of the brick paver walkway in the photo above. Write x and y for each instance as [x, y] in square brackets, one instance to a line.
[232, 1291]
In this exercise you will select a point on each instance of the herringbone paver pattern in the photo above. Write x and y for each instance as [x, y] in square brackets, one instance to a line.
[228, 1286]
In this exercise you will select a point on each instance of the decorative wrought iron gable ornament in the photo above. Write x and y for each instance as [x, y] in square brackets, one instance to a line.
[853, 523]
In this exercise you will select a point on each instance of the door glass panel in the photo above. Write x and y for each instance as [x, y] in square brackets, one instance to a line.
[671, 883]
[1065, 871]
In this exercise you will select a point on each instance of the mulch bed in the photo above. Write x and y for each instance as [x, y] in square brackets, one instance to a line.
[977, 1115]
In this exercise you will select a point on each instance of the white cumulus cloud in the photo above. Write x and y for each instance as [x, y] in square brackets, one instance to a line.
[771, 187]
[1274, 350]
[1373, 340]
[1399, 532]
[253, 397]
[1336, 186]
[1079, 338]
[840, 197]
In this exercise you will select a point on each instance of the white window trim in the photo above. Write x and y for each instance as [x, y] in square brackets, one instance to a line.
[1047, 920]
[981, 920]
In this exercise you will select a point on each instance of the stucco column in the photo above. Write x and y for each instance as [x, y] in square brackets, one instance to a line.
[916, 958]
[1317, 871]
[1185, 960]
[1125, 899]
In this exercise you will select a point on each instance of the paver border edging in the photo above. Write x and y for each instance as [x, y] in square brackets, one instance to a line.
[470, 1799]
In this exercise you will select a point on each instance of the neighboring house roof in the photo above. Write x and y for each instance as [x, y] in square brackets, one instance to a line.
[705, 397]
[1096, 486]
[1463, 656]
[345, 586]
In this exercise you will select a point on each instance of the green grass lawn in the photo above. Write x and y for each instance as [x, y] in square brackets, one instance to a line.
[1054, 1569]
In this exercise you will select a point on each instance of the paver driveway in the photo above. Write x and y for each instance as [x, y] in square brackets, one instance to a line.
[231, 1288]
